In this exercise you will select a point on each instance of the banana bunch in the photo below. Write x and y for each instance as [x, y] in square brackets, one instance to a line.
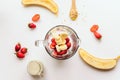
[99, 63]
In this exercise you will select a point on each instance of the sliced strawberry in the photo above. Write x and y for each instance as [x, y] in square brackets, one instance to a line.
[53, 40]
[67, 40]
[68, 45]
[52, 45]
[62, 52]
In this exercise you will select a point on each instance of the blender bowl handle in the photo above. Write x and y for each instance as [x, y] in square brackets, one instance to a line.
[39, 43]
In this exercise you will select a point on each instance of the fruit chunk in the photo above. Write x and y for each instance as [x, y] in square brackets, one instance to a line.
[49, 4]
[97, 35]
[99, 63]
[68, 45]
[67, 40]
[36, 17]
[64, 35]
[94, 28]
[62, 52]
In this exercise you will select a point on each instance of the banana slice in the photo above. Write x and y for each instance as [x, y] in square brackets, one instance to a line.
[99, 63]
[49, 4]
[63, 47]
[64, 35]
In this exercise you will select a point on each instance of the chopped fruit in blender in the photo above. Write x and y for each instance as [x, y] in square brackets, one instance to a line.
[36, 17]
[23, 50]
[20, 55]
[52, 45]
[63, 47]
[53, 40]
[94, 28]
[68, 45]
[60, 43]
[67, 40]
[32, 25]
[57, 48]
[62, 52]
[17, 47]
[64, 35]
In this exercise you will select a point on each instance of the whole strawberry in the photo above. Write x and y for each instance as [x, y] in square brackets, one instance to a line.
[23, 50]
[97, 35]
[17, 47]
[32, 25]
[20, 55]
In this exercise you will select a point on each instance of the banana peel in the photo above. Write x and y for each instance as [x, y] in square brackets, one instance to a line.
[49, 4]
[98, 63]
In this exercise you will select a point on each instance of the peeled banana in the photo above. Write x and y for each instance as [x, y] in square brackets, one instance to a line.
[49, 4]
[99, 63]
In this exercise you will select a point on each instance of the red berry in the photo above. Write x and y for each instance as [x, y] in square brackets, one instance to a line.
[55, 53]
[20, 55]
[53, 40]
[62, 52]
[32, 25]
[97, 35]
[17, 47]
[52, 45]
[23, 50]
[68, 45]
[67, 40]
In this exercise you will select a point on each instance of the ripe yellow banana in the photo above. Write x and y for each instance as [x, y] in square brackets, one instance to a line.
[49, 4]
[99, 63]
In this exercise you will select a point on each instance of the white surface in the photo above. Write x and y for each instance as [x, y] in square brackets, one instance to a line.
[13, 28]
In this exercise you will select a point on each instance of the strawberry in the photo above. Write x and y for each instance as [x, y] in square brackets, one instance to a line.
[36, 17]
[68, 45]
[94, 28]
[55, 53]
[53, 40]
[97, 35]
[32, 25]
[67, 40]
[52, 45]
[17, 47]
[20, 55]
[23, 50]
[62, 52]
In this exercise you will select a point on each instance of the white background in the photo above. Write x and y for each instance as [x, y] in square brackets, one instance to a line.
[14, 18]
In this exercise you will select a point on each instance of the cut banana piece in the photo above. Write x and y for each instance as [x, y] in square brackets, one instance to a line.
[49, 4]
[99, 63]
[64, 35]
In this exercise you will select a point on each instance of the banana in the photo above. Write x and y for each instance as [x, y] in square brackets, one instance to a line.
[49, 4]
[99, 63]
[64, 35]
